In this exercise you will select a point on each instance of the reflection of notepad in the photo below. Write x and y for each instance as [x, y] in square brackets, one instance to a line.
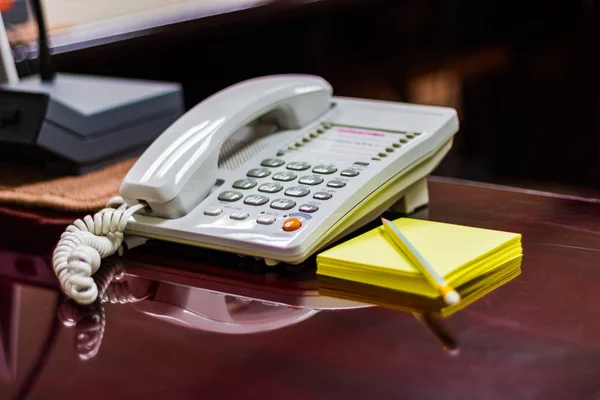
[472, 260]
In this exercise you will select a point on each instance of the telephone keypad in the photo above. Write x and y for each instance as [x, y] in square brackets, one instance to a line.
[213, 211]
[311, 180]
[285, 176]
[336, 184]
[258, 173]
[297, 191]
[308, 208]
[283, 204]
[230, 196]
[349, 172]
[298, 165]
[256, 200]
[244, 184]
[240, 216]
[272, 162]
[324, 169]
[322, 196]
[270, 187]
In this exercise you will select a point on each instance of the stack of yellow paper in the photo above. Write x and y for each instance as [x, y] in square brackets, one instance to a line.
[371, 268]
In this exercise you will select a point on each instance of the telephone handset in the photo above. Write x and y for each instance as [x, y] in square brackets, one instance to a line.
[179, 169]
[326, 166]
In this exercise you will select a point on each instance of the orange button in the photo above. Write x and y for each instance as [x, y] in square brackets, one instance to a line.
[291, 224]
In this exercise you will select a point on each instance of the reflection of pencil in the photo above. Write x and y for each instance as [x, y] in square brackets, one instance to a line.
[436, 327]
[448, 293]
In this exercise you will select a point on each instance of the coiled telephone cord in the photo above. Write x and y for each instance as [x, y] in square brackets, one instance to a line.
[84, 243]
[89, 320]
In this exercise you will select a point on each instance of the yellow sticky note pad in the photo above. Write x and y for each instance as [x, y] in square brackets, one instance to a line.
[460, 254]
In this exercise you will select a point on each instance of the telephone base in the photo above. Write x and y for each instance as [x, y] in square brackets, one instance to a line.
[76, 123]
[407, 190]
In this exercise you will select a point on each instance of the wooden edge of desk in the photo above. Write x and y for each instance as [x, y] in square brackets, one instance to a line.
[511, 189]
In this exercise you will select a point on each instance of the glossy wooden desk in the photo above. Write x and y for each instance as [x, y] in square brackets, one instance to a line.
[538, 337]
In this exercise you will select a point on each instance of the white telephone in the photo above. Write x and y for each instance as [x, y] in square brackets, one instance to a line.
[276, 168]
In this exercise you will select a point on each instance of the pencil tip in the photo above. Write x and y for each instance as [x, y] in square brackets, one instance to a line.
[385, 221]
[452, 297]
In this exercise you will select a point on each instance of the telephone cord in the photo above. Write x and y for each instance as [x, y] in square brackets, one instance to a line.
[84, 243]
[89, 320]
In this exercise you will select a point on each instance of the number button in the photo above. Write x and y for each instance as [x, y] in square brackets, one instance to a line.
[336, 184]
[213, 211]
[270, 187]
[308, 208]
[256, 200]
[244, 184]
[258, 173]
[298, 166]
[322, 196]
[285, 176]
[239, 216]
[349, 172]
[283, 204]
[297, 191]
[230, 196]
[272, 162]
[324, 169]
[311, 180]
[265, 219]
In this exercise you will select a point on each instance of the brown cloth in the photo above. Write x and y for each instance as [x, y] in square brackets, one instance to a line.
[26, 186]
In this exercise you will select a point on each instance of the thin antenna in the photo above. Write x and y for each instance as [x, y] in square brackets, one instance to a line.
[47, 72]
[8, 70]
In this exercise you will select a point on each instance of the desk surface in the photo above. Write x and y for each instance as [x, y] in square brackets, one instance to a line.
[535, 338]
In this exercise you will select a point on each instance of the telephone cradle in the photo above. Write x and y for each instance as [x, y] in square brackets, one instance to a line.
[274, 167]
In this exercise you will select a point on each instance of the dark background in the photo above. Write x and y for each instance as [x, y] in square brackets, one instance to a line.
[523, 75]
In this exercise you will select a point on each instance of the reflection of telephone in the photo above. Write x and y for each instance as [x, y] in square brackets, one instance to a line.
[229, 303]
[276, 168]
[218, 312]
